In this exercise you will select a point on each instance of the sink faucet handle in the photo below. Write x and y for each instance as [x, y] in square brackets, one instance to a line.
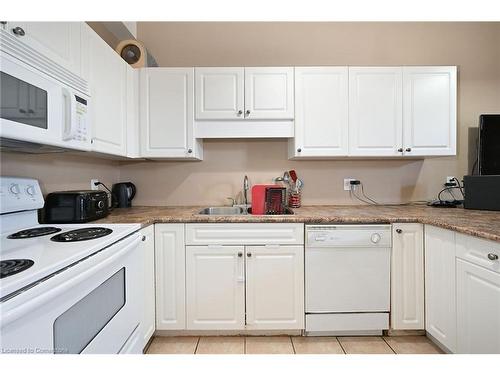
[233, 201]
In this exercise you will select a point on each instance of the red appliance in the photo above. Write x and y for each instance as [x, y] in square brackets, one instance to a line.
[268, 200]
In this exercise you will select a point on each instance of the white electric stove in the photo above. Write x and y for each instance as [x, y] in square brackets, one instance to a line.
[70, 288]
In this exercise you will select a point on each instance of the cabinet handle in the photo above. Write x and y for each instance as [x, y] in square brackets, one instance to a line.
[399, 231]
[19, 31]
[400, 149]
[143, 238]
[249, 255]
[241, 276]
[240, 112]
[247, 113]
[408, 149]
[492, 256]
[299, 150]
[190, 151]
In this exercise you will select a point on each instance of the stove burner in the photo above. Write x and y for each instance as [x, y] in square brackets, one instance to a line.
[12, 266]
[83, 234]
[34, 232]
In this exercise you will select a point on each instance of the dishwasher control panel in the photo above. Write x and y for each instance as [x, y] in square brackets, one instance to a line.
[348, 236]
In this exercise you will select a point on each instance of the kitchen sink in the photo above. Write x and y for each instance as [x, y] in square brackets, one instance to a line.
[222, 211]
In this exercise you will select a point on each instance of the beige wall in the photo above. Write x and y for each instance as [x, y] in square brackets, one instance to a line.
[474, 47]
[60, 171]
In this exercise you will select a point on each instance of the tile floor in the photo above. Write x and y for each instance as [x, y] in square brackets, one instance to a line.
[292, 345]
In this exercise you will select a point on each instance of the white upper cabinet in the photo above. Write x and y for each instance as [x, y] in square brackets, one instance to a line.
[107, 75]
[133, 136]
[375, 111]
[59, 41]
[166, 113]
[429, 110]
[264, 93]
[321, 112]
[269, 93]
[219, 93]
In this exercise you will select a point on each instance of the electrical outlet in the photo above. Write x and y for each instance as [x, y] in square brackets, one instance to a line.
[451, 180]
[347, 183]
[93, 185]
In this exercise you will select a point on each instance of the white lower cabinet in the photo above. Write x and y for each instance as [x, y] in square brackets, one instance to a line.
[232, 285]
[215, 287]
[440, 291]
[275, 287]
[478, 295]
[170, 277]
[407, 277]
[148, 308]
[478, 309]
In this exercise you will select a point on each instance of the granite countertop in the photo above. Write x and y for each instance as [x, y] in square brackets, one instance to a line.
[485, 224]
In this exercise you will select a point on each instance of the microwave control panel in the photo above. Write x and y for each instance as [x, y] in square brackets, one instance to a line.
[81, 114]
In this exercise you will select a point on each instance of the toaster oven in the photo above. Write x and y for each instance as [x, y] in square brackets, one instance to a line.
[77, 206]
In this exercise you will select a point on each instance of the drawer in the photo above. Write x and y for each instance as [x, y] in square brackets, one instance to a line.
[245, 234]
[478, 251]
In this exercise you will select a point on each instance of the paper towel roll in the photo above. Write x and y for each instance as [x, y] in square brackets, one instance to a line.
[135, 54]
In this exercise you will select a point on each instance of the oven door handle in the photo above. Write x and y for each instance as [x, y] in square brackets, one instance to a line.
[15, 313]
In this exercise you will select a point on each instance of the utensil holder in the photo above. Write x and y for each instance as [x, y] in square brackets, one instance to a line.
[294, 200]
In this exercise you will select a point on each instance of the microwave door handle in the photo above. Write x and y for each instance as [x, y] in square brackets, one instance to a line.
[68, 126]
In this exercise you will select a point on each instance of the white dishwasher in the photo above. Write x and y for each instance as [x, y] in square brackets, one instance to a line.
[347, 273]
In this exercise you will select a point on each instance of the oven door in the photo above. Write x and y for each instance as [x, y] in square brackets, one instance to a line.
[38, 109]
[91, 307]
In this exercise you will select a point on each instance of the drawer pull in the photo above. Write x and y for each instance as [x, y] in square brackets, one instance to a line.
[492, 256]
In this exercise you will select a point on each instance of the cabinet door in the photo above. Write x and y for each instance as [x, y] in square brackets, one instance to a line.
[321, 119]
[219, 93]
[148, 305]
[478, 309]
[275, 287]
[133, 135]
[215, 292]
[440, 287]
[170, 276]
[375, 111]
[407, 277]
[429, 110]
[59, 41]
[107, 74]
[269, 93]
[167, 128]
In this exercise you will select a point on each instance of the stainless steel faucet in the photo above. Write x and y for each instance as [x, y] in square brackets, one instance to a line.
[246, 187]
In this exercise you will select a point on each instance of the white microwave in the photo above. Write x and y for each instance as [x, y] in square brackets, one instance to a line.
[37, 108]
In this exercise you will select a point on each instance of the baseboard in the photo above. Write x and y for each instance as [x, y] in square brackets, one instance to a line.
[404, 332]
[292, 332]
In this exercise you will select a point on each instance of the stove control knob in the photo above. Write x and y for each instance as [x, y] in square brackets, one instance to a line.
[30, 190]
[14, 189]
[100, 204]
[375, 238]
